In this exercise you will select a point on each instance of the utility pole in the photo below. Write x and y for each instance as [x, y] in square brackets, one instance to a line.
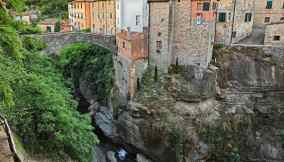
[233, 22]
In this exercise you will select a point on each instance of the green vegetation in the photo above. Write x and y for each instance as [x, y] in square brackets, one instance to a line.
[92, 62]
[227, 138]
[177, 142]
[35, 99]
[50, 8]
[86, 30]
[57, 27]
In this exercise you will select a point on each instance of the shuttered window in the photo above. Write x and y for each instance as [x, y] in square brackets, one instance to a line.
[269, 4]
[222, 17]
[206, 6]
[248, 17]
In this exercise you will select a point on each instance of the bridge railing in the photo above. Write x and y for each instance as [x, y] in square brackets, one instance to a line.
[10, 139]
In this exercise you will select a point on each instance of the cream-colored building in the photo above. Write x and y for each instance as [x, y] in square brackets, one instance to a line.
[274, 34]
[47, 25]
[268, 11]
[103, 17]
[234, 20]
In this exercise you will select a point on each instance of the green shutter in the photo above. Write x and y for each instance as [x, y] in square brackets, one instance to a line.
[222, 17]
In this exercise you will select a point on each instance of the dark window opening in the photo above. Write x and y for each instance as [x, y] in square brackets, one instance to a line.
[123, 44]
[48, 29]
[206, 6]
[276, 37]
[248, 17]
[222, 17]
[234, 34]
[268, 4]
[267, 19]
[159, 45]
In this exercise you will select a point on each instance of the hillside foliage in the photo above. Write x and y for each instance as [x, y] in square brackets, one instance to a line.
[35, 99]
[91, 62]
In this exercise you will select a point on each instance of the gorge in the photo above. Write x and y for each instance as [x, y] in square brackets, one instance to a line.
[231, 111]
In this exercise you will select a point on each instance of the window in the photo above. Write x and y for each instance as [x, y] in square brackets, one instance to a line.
[268, 4]
[138, 19]
[159, 45]
[123, 44]
[282, 19]
[222, 17]
[206, 6]
[276, 38]
[199, 19]
[248, 17]
[215, 5]
[234, 34]
[267, 19]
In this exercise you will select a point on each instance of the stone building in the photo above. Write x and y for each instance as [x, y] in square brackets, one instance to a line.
[268, 11]
[103, 17]
[80, 14]
[65, 26]
[47, 25]
[274, 34]
[27, 16]
[132, 44]
[181, 32]
[131, 61]
[234, 20]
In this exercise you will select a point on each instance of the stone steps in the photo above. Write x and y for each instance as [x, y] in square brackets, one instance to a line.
[6, 154]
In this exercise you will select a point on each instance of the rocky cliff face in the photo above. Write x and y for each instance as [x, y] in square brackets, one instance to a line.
[231, 111]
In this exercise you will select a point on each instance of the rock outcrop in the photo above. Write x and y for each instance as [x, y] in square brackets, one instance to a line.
[231, 111]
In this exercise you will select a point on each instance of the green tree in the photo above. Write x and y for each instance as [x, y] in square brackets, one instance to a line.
[95, 62]
[34, 97]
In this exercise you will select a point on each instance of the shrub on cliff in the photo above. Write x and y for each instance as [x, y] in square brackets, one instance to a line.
[92, 62]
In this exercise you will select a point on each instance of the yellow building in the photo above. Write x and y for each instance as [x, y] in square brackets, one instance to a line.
[103, 17]
[80, 14]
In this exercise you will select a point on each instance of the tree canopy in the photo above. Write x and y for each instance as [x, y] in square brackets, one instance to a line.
[35, 98]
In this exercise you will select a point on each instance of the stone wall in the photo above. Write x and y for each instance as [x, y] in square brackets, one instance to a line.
[242, 28]
[175, 36]
[56, 41]
[159, 31]
[272, 33]
[128, 73]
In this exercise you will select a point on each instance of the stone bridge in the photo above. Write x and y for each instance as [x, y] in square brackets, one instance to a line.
[55, 41]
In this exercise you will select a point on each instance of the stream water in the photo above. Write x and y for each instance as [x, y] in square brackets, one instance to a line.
[106, 144]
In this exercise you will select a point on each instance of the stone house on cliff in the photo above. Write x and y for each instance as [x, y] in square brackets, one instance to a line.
[234, 20]
[181, 31]
[132, 44]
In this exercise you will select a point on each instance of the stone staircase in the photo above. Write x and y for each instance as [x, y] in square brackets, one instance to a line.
[6, 154]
